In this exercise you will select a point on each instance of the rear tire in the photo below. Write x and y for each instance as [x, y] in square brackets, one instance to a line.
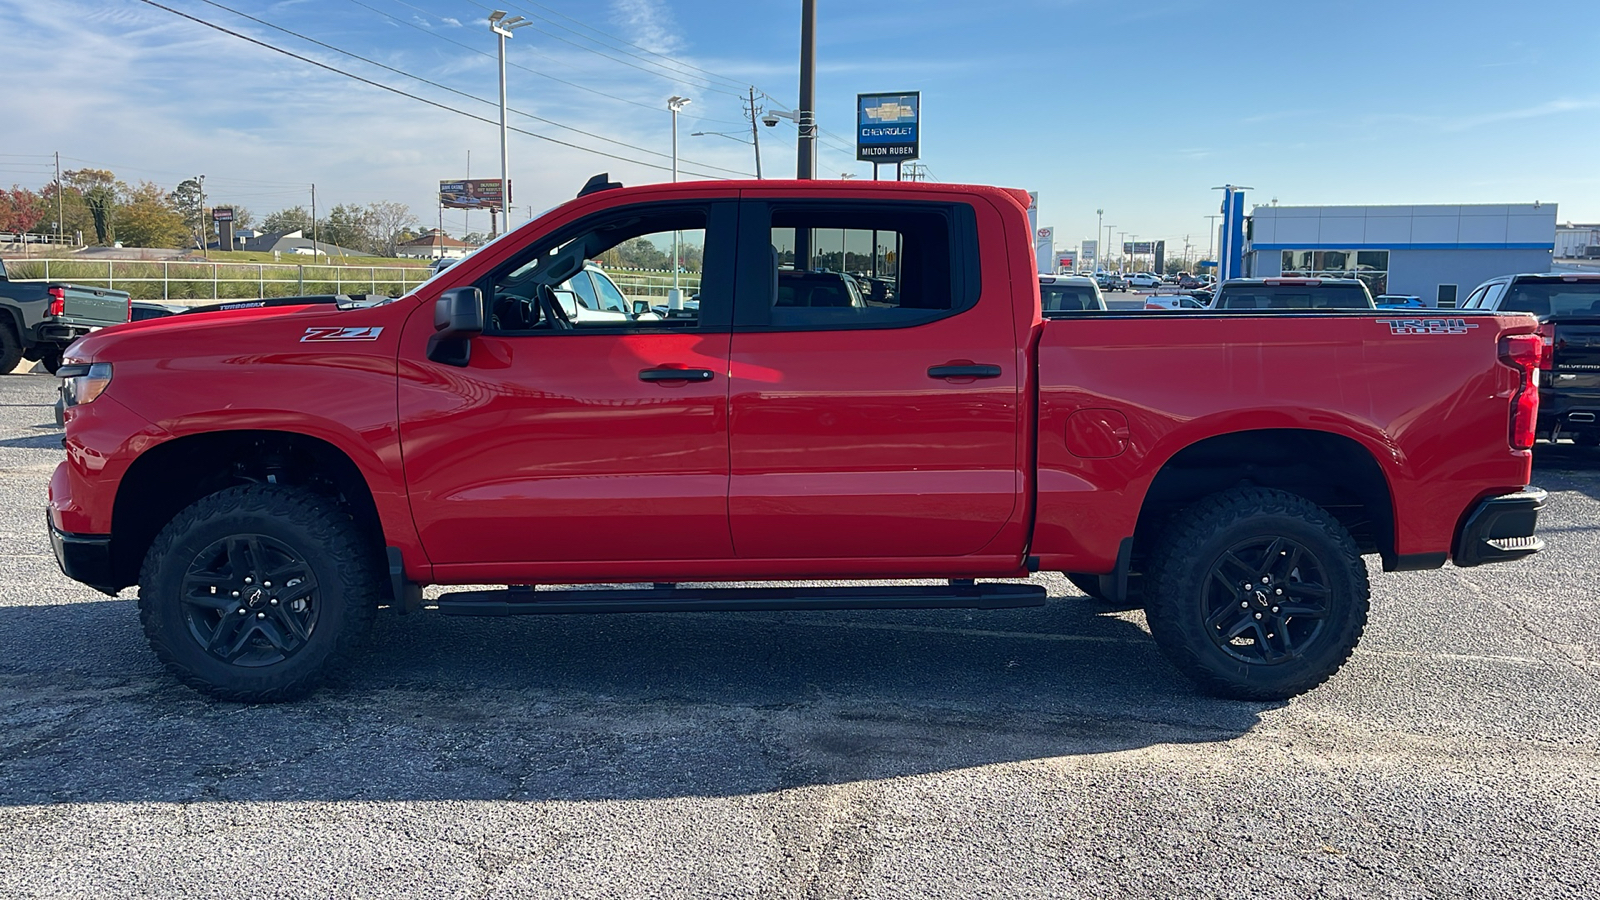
[257, 592]
[1257, 594]
[10, 349]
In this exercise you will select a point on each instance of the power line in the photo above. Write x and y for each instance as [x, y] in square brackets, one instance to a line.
[452, 90]
[407, 94]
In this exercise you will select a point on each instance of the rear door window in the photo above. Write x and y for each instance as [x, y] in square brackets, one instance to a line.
[855, 264]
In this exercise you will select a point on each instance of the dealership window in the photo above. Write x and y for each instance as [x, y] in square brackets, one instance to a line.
[1371, 266]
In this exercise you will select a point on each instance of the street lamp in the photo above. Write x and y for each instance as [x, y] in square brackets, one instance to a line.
[674, 104]
[1108, 241]
[732, 137]
[502, 26]
[1099, 223]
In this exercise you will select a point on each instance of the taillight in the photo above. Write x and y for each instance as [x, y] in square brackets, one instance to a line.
[1525, 353]
[58, 301]
[1547, 343]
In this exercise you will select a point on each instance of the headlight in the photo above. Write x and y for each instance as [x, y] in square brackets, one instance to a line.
[82, 382]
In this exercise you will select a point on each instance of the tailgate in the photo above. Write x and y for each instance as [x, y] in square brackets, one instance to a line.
[93, 306]
[1577, 344]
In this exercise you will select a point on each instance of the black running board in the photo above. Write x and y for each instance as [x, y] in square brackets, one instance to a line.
[524, 602]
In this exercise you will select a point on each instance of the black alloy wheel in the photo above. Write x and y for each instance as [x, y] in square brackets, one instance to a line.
[1266, 601]
[250, 600]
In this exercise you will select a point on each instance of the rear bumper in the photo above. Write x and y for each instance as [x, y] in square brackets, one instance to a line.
[83, 557]
[1500, 529]
[61, 333]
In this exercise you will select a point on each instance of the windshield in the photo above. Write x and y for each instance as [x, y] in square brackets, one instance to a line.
[1294, 296]
[1553, 298]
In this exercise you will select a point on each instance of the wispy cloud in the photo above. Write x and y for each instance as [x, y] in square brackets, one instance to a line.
[453, 23]
[649, 24]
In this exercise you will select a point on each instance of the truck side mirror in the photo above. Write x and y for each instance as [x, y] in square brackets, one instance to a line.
[457, 319]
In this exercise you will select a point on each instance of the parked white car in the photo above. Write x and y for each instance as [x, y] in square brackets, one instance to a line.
[1143, 279]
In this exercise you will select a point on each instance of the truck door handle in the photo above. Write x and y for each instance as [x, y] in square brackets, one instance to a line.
[977, 371]
[695, 375]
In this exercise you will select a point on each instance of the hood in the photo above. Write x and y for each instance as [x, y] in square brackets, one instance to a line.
[246, 325]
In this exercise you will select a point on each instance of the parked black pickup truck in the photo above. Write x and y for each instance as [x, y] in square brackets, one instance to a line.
[38, 319]
[1567, 305]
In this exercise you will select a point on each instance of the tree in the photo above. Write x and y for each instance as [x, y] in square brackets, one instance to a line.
[147, 217]
[388, 225]
[98, 187]
[347, 226]
[187, 199]
[20, 209]
[242, 216]
[475, 238]
[292, 219]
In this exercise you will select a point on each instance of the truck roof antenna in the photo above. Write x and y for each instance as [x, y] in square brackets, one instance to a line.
[599, 183]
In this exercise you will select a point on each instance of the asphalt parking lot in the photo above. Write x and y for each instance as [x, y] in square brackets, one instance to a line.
[1007, 754]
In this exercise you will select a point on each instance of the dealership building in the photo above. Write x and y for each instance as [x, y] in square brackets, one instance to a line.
[1438, 253]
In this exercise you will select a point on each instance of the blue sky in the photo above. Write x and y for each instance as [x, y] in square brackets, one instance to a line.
[1135, 108]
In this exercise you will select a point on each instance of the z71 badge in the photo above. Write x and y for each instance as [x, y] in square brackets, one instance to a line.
[1427, 326]
[328, 333]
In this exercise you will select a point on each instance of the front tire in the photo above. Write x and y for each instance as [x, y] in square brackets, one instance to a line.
[51, 360]
[1257, 594]
[255, 593]
[10, 349]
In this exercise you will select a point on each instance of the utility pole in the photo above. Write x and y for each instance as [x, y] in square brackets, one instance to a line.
[314, 223]
[806, 167]
[1211, 243]
[755, 133]
[203, 251]
[61, 208]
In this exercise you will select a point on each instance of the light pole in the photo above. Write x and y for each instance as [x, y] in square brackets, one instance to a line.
[806, 168]
[732, 137]
[1106, 254]
[674, 104]
[1122, 247]
[1134, 250]
[1099, 222]
[1211, 242]
[502, 26]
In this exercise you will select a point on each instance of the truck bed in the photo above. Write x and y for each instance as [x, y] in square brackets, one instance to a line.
[1424, 399]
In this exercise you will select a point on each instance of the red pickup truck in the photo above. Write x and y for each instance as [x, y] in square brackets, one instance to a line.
[269, 477]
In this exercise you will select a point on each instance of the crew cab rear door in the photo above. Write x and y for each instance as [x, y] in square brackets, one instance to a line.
[584, 439]
[874, 389]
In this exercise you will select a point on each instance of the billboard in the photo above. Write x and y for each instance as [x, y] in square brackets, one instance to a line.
[1138, 248]
[1091, 252]
[471, 193]
[886, 126]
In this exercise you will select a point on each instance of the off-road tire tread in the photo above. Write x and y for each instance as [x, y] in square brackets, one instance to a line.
[323, 521]
[1182, 542]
